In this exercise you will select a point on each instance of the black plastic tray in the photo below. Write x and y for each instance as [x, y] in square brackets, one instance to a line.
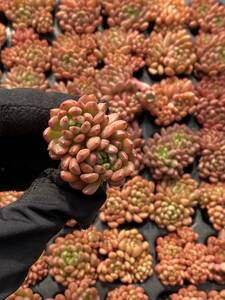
[153, 287]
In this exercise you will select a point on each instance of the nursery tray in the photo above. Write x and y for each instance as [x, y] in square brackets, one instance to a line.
[153, 287]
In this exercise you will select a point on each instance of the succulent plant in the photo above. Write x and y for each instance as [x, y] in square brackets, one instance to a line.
[189, 293]
[28, 13]
[70, 260]
[24, 293]
[172, 100]
[212, 197]
[174, 203]
[25, 77]
[211, 86]
[172, 15]
[2, 35]
[9, 197]
[37, 272]
[216, 247]
[171, 53]
[93, 147]
[72, 54]
[79, 16]
[125, 292]
[210, 50]
[130, 14]
[21, 35]
[135, 133]
[208, 15]
[79, 290]
[216, 295]
[168, 153]
[128, 257]
[33, 53]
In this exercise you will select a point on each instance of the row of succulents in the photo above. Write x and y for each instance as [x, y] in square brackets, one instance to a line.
[85, 16]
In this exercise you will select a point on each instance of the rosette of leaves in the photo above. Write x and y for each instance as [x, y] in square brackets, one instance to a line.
[174, 203]
[172, 100]
[37, 272]
[25, 77]
[135, 14]
[72, 54]
[172, 14]
[2, 35]
[213, 86]
[212, 197]
[79, 16]
[129, 260]
[24, 293]
[78, 290]
[28, 13]
[189, 293]
[135, 133]
[93, 146]
[9, 197]
[70, 260]
[167, 153]
[171, 53]
[125, 292]
[30, 53]
[210, 50]
[208, 15]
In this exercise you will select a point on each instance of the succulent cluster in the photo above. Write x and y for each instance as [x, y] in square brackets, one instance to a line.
[9, 197]
[171, 14]
[171, 53]
[135, 14]
[37, 272]
[189, 293]
[208, 15]
[93, 146]
[211, 164]
[172, 100]
[128, 257]
[28, 53]
[168, 153]
[216, 295]
[79, 290]
[74, 257]
[125, 292]
[72, 54]
[132, 203]
[212, 197]
[210, 50]
[182, 258]
[79, 16]
[174, 202]
[29, 13]
[211, 86]
[24, 293]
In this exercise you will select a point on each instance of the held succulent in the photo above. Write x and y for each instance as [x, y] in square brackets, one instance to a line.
[172, 100]
[168, 153]
[210, 50]
[70, 260]
[31, 53]
[128, 260]
[25, 77]
[9, 197]
[125, 292]
[28, 13]
[171, 53]
[135, 14]
[79, 16]
[208, 15]
[93, 147]
[24, 293]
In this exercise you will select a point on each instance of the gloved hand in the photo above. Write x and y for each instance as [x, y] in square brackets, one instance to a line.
[27, 225]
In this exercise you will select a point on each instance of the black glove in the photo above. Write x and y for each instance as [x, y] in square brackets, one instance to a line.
[29, 223]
